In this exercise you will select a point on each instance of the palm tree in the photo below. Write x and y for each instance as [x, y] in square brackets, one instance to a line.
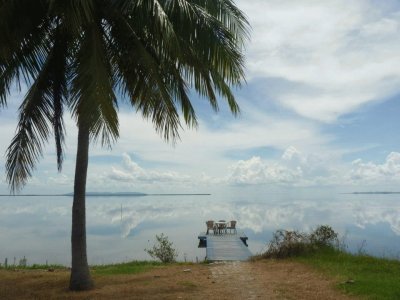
[87, 55]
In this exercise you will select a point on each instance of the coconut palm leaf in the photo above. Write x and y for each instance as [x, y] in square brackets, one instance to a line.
[41, 108]
[19, 20]
[25, 63]
[93, 100]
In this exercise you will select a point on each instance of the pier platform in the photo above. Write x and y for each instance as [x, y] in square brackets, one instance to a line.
[225, 247]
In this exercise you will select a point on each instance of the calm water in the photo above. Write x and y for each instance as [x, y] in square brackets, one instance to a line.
[39, 227]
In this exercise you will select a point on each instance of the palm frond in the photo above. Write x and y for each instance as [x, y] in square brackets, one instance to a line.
[230, 15]
[59, 82]
[25, 63]
[213, 61]
[19, 20]
[143, 77]
[207, 57]
[93, 99]
[41, 108]
[182, 97]
[225, 91]
[32, 131]
[74, 13]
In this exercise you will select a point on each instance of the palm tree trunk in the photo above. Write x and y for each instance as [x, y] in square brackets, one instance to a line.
[80, 275]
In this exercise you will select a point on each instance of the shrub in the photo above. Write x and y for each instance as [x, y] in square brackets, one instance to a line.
[287, 243]
[163, 250]
[324, 235]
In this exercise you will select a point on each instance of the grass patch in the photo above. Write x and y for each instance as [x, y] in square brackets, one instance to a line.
[34, 267]
[376, 278]
[133, 267]
[357, 274]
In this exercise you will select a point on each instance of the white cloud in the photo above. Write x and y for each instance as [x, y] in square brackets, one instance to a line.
[134, 173]
[255, 171]
[383, 28]
[250, 171]
[130, 165]
[292, 154]
[293, 169]
[344, 53]
[60, 179]
[298, 169]
[207, 149]
[386, 173]
[119, 175]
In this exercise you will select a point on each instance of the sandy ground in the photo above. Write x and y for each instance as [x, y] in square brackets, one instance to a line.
[230, 280]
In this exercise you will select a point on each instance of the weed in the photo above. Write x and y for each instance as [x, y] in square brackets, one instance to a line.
[163, 250]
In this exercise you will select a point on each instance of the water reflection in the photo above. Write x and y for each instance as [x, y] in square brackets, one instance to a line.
[120, 228]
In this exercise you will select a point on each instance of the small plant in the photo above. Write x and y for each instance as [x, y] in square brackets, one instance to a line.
[361, 248]
[163, 250]
[22, 262]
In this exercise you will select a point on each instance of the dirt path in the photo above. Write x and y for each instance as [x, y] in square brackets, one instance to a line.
[231, 280]
[237, 281]
[271, 280]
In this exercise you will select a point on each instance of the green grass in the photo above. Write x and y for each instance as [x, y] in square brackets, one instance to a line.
[33, 267]
[374, 278]
[133, 267]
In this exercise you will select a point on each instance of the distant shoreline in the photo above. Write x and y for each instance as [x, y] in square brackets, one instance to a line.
[372, 193]
[94, 194]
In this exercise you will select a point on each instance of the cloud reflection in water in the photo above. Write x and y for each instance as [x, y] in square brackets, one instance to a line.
[39, 227]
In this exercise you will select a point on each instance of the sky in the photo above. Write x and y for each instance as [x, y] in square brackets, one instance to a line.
[318, 112]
